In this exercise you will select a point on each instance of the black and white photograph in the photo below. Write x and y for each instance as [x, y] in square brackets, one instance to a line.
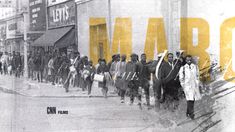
[117, 66]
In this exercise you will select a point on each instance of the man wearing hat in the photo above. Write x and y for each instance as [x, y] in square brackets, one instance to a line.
[144, 77]
[131, 82]
[157, 82]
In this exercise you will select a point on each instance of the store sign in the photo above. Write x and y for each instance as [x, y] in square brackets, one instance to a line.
[37, 13]
[14, 28]
[55, 2]
[7, 3]
[61, 15]
[2, 31]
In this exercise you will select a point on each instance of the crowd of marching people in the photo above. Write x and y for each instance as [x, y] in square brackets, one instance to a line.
[11, 64]
[172, 77]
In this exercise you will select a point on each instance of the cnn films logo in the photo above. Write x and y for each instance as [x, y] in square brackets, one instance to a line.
[53, 110]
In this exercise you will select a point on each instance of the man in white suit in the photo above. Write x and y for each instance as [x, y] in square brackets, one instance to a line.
[189, 80]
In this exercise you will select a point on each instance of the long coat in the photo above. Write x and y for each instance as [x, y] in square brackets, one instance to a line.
[130, 74]
[189, 80]
[120, 72]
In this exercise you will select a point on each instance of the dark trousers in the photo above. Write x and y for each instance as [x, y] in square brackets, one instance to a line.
[134, 90]
[145, 85]
[134, 93]
[5, 69]
[41, 75]
[190, 107]
[89, 84]
[67, 81]
[171, 89]
[157, 89]
[83, 84]
[122, 93]
[30, 73]
[17, 72]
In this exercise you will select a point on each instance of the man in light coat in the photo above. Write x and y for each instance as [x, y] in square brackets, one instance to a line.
[189, 80]
[120, 71]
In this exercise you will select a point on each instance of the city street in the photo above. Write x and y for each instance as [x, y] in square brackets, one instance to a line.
[25, 113]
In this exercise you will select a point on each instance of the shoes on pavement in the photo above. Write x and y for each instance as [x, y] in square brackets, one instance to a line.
[187, 115]
[122, 101]
[148, 107]
[66, 90]
[191, 116]
[140, 106]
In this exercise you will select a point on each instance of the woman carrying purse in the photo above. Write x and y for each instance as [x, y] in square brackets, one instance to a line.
[103, 70]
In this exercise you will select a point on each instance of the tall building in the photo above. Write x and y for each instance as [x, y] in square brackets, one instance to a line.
[7, 8]
[13, 22]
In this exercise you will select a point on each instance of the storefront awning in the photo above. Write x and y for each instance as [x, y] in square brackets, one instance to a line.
[51, 37]
[67, 40]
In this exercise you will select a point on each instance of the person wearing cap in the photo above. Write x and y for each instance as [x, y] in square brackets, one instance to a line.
[119, 83]
[110, 63]
[77, 66]
[157, 82]
[84, 63]
[169, 73]
[63, 70]
[179, 61]
[113, 71]
[132, 82]
[98, 64]
[144, 77]
[88, 75]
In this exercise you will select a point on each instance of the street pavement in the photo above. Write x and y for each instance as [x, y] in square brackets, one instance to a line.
[27, 87]
[25, 103]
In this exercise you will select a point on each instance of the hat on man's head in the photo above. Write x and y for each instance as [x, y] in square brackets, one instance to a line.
[133, 55]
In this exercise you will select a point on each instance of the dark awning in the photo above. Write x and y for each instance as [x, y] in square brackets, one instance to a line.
[67, 40]
[51, 37]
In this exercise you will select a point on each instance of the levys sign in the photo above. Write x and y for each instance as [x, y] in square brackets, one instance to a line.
[61, 15]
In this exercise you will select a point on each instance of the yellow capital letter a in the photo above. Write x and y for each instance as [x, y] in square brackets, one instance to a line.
[155, 37]
[226, 47]
[186, 38]
[122, 37]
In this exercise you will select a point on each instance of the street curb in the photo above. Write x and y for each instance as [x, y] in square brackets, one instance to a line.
[72, 96]
[10, 91]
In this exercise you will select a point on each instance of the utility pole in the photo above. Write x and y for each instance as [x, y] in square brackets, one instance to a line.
[25, 44]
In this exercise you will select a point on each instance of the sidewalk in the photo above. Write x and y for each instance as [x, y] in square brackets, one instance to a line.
[31, 88]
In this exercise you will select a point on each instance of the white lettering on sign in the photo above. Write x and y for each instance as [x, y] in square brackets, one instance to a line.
[34, 15]
[35, 2]
[34, 21]
[54, 2]
[31, 3]
[38, 2]
[61, 14]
